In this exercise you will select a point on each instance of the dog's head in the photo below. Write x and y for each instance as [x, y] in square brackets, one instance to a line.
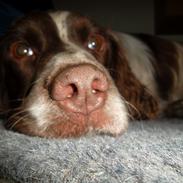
[56, 76]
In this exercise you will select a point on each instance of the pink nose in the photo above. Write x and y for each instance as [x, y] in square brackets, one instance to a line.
[80, 89]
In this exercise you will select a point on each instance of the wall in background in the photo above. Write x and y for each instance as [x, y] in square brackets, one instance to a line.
[121, 15]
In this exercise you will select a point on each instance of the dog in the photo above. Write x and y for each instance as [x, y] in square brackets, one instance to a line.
[62, 75]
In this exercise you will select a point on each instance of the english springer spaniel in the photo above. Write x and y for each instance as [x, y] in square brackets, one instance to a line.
[62, 75]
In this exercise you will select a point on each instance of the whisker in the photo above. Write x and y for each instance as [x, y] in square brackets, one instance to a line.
[35, 82]
[18, 113]
[131, 106]
[113, 72]
[130, 116]
[18, 121]
[16, 100]
[9, 110]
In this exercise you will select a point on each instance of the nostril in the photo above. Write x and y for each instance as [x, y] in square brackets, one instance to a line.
[99, 85]
[61, 92]
[74, 89]
[69, 91]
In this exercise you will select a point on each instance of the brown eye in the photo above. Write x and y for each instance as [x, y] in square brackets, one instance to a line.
[21, 50]
[96, 43]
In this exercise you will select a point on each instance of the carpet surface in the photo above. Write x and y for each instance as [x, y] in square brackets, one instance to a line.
[150, 151]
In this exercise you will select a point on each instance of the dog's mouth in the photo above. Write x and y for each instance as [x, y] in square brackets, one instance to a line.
[77, 124]
[63, 125]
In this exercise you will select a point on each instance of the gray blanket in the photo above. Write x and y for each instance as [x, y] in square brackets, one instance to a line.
[148, 152]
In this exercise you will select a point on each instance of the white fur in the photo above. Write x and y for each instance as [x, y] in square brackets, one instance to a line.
[37, 111]
[116, 109]
[178, 91]
[60, 19]
[139, 57]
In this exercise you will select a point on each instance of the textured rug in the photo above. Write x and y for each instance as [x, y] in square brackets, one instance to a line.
[150, 151]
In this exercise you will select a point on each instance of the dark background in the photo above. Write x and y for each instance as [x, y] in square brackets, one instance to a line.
[140, 16]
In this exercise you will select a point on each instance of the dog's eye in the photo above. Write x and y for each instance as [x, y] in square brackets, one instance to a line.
[95, 43]
[21, 50]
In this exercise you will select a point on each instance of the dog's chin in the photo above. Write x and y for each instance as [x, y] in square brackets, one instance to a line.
[77, 124]
[68, 125]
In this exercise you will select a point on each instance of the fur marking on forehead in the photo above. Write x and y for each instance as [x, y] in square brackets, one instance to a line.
[60, 19]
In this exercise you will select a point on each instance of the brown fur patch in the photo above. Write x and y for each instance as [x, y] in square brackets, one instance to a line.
[17, 77]
[165, 63]
[142, 104]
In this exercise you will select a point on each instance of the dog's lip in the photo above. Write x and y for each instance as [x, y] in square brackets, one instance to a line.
[77, 116]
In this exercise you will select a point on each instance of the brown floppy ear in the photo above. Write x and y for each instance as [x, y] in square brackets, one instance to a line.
[141, 104]
[3, 93]
[4, 72]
